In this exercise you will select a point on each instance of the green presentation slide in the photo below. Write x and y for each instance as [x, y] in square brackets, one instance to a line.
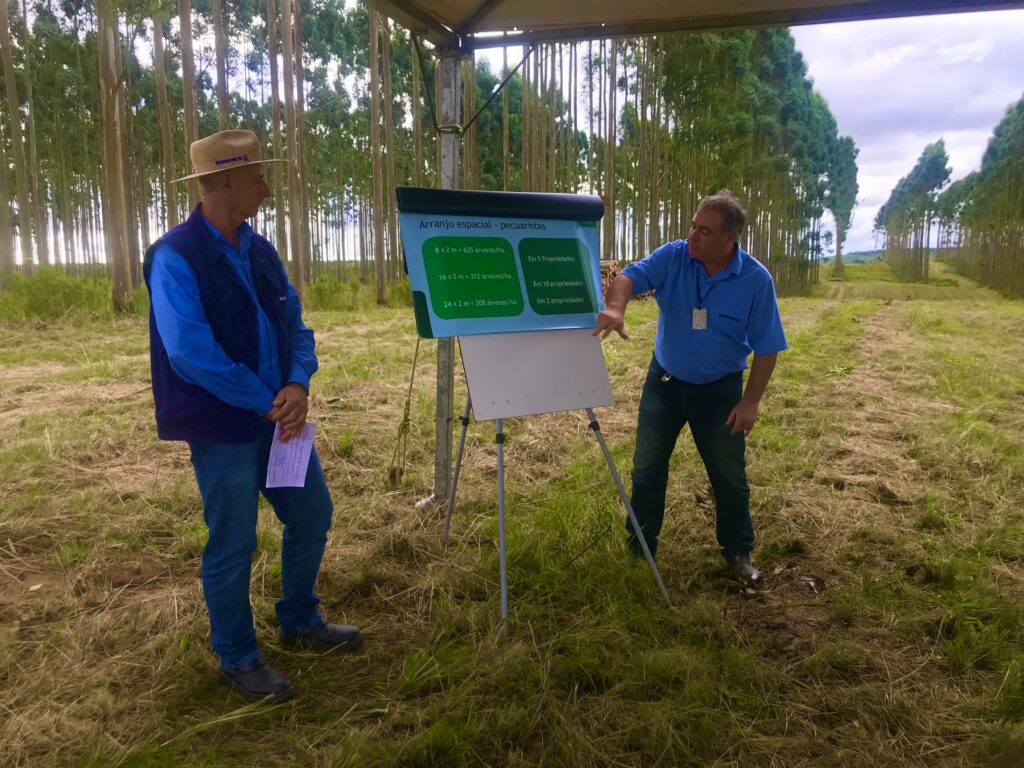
[497, 262]
[555, 270]
[472, 277]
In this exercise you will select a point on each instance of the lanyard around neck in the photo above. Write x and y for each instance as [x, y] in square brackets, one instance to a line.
[696, 286]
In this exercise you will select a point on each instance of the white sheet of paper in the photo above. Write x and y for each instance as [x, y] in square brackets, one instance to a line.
[289, 461]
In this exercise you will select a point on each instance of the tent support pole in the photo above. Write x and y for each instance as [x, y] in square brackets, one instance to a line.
[451, 114]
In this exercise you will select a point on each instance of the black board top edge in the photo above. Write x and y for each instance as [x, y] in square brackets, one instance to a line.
[506, 205]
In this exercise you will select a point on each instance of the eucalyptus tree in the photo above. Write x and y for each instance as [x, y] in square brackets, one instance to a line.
[37, 186]
[907, 216]
[610, 142]
[741, 112]
[663, 122]
[378, 176]
[6, 252]
[116, 231]
[188, 78]
[220, 48]
[297, 261]
[166, 134]
[842, 192]
[983, 213]
[17, 140]
[275, 129]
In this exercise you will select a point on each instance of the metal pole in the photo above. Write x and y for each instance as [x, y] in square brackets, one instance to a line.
[455, 476]
[502, 558]
[451, 115]
[625, 500]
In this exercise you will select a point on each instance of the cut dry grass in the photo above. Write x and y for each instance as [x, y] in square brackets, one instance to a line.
[888, 479]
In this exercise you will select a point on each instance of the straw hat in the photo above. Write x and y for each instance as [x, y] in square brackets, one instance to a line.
[223, 151]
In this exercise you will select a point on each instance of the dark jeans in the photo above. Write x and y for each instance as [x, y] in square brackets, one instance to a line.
[231, 477]
[667, 406]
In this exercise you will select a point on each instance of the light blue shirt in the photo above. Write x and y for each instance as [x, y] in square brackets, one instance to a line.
[742, 312]
[193, 352]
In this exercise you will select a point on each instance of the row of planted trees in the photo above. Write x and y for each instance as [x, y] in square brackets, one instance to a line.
[981, 216]
[977, 223]
[101, 101]
[907, 218]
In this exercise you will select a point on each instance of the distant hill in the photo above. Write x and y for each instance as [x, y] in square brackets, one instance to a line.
[860, 257]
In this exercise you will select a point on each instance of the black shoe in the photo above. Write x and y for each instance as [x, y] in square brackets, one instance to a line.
[326, 637]
[743, 569]
[257, 681]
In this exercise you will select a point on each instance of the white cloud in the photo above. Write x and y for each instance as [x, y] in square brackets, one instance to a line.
[897, 85]
[975, 52]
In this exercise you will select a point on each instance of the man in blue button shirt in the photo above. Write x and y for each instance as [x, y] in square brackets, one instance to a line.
[717, 306]
[231, 361]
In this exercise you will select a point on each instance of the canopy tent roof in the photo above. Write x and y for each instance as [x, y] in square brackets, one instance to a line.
[471, 24]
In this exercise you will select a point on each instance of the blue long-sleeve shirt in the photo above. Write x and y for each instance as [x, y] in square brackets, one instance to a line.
[193, 352]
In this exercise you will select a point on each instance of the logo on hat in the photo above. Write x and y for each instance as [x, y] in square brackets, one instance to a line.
[238, 159]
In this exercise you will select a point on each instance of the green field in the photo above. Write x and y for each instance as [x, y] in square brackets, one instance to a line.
[887, 475]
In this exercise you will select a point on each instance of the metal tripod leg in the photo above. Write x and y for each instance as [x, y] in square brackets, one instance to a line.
[499, 438]
[625, 500]
[455, 476]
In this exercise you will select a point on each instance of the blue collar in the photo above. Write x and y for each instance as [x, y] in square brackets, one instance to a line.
[244, 235]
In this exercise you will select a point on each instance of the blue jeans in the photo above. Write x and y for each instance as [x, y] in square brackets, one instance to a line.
[665, 408]
[231, 476]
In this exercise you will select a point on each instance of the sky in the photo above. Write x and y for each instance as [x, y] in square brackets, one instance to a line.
[896, 85]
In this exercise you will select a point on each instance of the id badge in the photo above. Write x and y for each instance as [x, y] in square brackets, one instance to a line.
[700, 318]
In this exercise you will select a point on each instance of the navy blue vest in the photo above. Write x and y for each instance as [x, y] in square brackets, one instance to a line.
[185, 411]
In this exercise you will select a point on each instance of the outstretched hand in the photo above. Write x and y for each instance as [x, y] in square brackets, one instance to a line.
[290, 407]
[610, 320]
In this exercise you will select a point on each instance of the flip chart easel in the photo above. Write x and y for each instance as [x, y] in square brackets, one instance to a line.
[515, 276]
[523, 374]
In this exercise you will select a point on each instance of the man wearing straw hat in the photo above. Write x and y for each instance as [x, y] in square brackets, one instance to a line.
[231, 360]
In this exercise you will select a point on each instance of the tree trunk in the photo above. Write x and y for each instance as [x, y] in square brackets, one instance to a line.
[377, 213]
[417, 134]
[17, 142]
[524, 127]
[37, 188]
[640, 210]
[654, 234]
[611, 131]
[591, 170]
[6, 233]
[300, 147]
[219, 46]
[296, 265]
[166, 135]
[389, 142]
[116, 220]
[128, 162]
[188, 81]
[554, 92]
[363, 276]
[505, 166]
[275, 133]
[837, 268]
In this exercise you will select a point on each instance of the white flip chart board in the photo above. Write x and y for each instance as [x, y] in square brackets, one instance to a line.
[520, 374]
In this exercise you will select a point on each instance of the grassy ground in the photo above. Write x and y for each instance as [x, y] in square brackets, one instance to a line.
[888, 487]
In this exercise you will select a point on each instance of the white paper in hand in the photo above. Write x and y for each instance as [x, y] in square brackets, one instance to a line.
[289, 461]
